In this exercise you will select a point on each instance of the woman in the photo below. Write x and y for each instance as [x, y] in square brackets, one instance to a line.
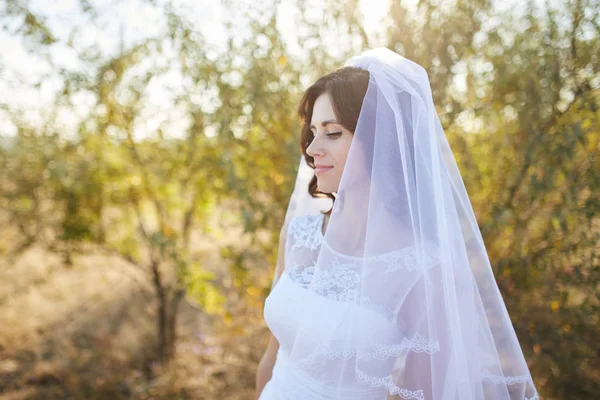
[390, 293]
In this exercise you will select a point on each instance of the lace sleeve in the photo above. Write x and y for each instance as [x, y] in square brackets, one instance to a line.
[288, 235]
[282, 252]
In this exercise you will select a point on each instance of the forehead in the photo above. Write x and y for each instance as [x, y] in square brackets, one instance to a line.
[322, 111]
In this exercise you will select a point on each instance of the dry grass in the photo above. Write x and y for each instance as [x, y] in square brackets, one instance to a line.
[87, 331]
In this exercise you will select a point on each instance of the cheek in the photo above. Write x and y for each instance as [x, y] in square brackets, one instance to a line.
[342, 153]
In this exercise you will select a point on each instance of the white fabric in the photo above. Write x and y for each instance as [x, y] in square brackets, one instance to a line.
[398, 296]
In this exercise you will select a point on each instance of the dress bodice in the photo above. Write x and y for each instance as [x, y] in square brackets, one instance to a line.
[333, 303]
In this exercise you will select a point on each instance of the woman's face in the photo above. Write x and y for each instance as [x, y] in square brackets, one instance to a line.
[330, 145]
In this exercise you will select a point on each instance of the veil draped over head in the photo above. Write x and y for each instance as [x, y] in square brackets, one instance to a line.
[404, 295]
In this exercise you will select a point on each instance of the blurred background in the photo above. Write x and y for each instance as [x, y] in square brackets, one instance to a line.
[148, 149]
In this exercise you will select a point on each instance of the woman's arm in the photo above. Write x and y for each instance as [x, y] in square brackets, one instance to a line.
[265, 366]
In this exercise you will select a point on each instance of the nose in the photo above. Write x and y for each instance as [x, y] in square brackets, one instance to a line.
[315, 148]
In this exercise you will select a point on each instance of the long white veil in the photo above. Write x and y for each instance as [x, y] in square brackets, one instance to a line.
[403, 263]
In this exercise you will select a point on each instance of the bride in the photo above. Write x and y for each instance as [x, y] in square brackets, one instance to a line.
[389, 293]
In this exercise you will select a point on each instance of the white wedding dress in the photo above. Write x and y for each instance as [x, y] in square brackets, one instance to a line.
[331, 303]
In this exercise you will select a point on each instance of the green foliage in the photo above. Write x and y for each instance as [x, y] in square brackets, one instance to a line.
[201, 286]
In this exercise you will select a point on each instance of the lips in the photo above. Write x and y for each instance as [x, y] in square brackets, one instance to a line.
[319, 169]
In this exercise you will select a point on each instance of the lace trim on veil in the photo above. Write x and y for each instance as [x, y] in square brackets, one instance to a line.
[418, 344]
[508, 380]
[388, 381]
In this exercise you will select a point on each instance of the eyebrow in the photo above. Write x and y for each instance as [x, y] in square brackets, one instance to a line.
[325, 123]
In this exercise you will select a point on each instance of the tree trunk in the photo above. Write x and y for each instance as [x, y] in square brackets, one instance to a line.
[171, 324]
[161, 296]
[167, 309]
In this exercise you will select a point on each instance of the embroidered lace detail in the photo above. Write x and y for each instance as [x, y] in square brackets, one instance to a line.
[404, 258]
[409, 259]
[341, 279]
[302, 275]
[340, 282]
[389, 383]
[336, 284]
[306, 231]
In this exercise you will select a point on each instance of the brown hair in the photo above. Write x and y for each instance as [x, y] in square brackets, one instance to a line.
[347, 88]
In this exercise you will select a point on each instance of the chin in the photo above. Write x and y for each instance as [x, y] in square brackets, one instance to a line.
[325, 189]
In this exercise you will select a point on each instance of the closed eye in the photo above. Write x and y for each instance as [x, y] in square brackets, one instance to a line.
[335, 134]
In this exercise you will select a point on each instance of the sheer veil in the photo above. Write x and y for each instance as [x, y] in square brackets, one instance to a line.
[422, 313]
